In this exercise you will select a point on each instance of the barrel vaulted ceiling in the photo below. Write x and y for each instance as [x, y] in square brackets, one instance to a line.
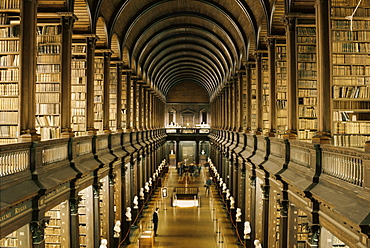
[167, 42]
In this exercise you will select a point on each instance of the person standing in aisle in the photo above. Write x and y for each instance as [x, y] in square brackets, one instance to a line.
[208, 185]
[155, 221]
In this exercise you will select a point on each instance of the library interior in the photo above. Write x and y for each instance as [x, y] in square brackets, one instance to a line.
[249, 119]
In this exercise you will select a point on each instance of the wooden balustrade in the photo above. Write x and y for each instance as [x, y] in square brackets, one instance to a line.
[300, 154]
[14, 158]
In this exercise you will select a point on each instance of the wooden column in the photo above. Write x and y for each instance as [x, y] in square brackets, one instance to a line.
[128, 102]
[140, 105]
[240, 83]
[134, 105]
[292, 104]
[324, 115]
[119, 98]
[27, 87]
[66, 75]
[259, 92]
[248, 99]
[145, 107]
[107, 56]
[90, 54]
[272, 86]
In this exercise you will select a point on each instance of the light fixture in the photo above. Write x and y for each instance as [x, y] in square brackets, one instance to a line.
[351, 16]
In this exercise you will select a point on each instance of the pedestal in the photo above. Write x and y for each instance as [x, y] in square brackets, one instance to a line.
[135, 212]
[126, 226]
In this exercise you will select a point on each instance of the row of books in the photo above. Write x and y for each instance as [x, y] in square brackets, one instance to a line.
[78, 119]
[49, 68]
[306, 39]
[78, 111]
[307, 111]
[8, 118]
[78, 96]
[306, 31]
[47, 97]
[307, 92]
[338, 80]
[49, 30]
[307, 66]
[342, 12]
[350, 140]
[9, 32]
[10, 4]
[49, 59]
[47, 87]
[8, 131]
[282, 121]
[49, 132]
[351, 59]
[48, 77]
[353, 47]
[78, 80]
[307, 124]
[344, 3]
[351, 92]
[356, 70]
[310, 57]
[79, 88]
[305, 135]
[341, 116]
[48, 120]
[307, 74]
[78, 73]
[345, 24]
[9, 75]
[78, 64]
[48, 39]
[350, 127]
[307, 83]
[48, 49]
[78, 49]
[10, 89]
[351, 35]
[307, 101]
[306, 49]
[362, 105]
[8, 46]
[280, 49]
[47, 109]
[9, 60]
[9, 104]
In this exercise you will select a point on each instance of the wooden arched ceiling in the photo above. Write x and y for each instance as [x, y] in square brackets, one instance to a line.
[166, 42]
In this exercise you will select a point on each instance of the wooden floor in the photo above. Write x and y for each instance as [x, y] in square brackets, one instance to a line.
[207, 226]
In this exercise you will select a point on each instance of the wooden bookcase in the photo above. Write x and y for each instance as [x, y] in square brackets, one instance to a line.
[56, 232]
[85, 217]
[265, 94]
[124, 100]
[281, 88]
[19, 238]
[9, 70]
[48, 79]
[307, 78]
[78, 88]
[113, 98]
[351, 73]
[98, 93]
[254, 98]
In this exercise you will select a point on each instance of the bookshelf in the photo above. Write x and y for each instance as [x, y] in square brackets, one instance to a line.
[265, 94]
[98, 93]
[307, 79]
[48, 75]
[17, 239]
[124, 100]
[56, 234]
[351, 74]
[244, 99]
[281, 88]
[85, 217]
[104, 207]
[113, 98]
[78, 88]
[254, 98]
[302, 229]
[9, 71]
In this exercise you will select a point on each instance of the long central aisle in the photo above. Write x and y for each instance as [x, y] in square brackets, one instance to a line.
[184, 227]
